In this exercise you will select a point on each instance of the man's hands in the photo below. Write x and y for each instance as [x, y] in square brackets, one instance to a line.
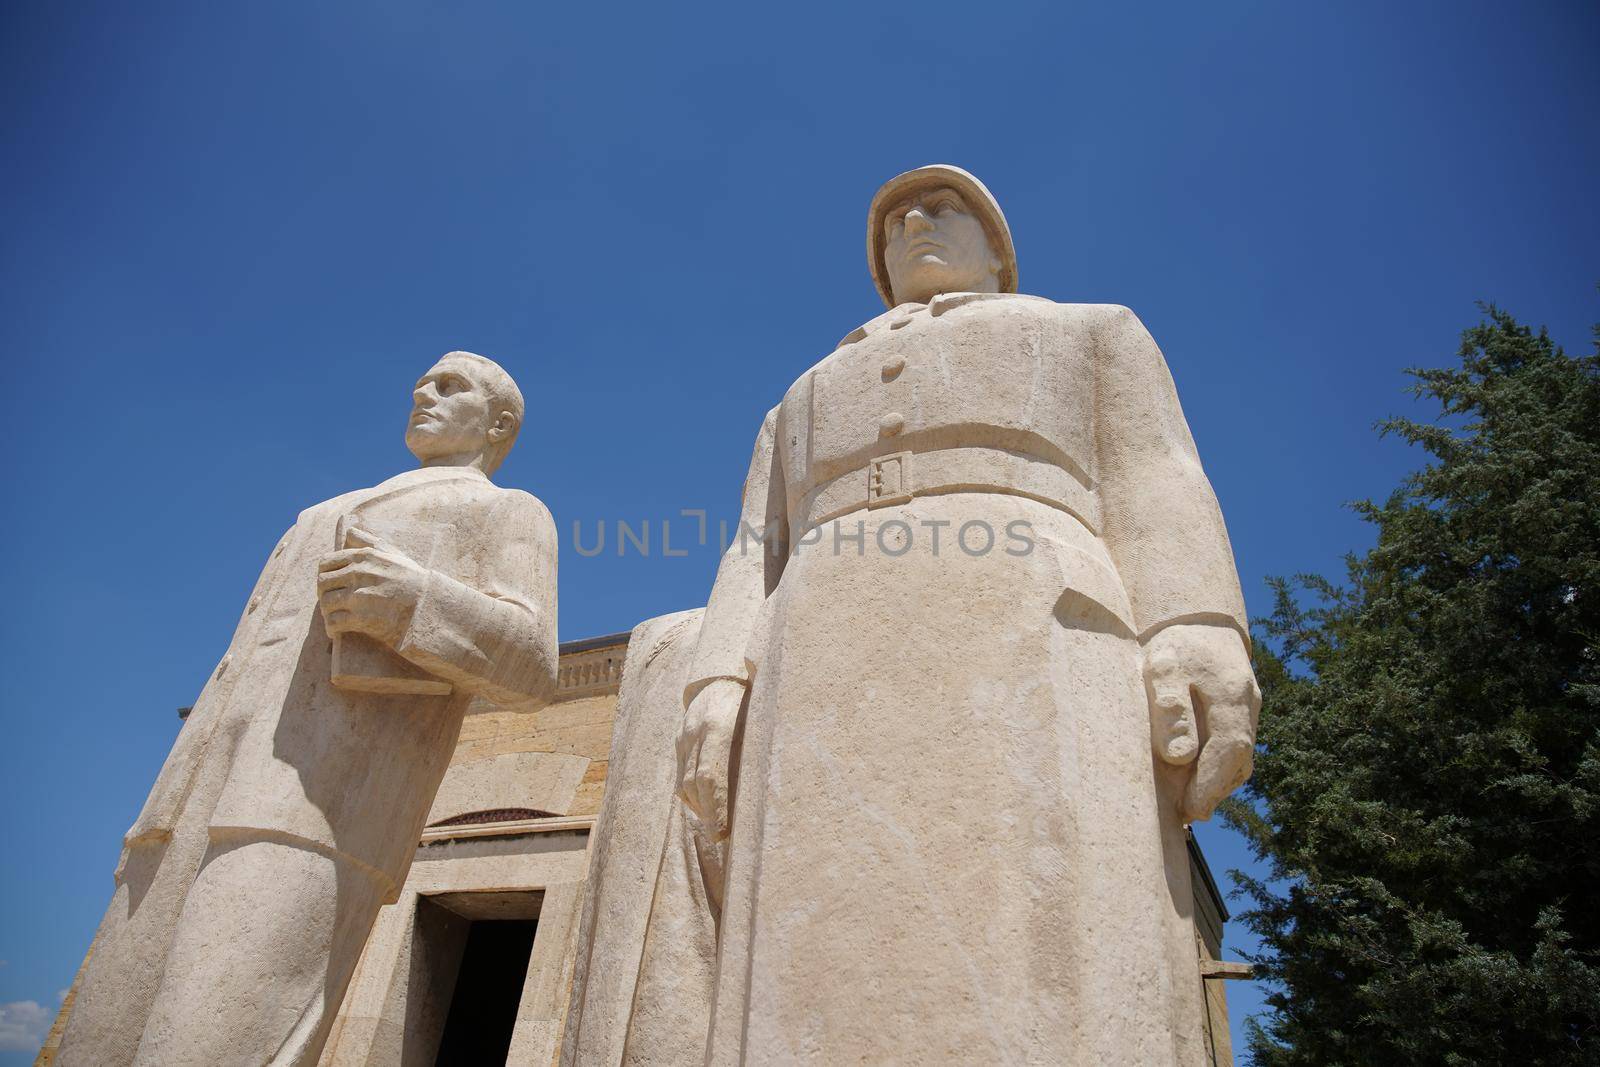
[369, 588]
[705, 752]
[1204, 703]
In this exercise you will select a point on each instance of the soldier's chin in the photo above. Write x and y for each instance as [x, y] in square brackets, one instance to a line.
[926, 276]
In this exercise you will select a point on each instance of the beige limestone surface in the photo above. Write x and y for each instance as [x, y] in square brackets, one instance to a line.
[545, 782]
[641, 989]
[505, 763]
[395, 993]
[395, 1011]
[289, 809]
[955, 712]
[578, 727]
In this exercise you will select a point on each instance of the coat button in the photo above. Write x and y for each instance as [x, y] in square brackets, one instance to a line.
[891, 424]
[255, 602]
[892, 367]
[222, 668]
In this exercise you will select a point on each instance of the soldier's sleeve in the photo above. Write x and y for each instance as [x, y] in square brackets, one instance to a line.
[499, 641]
[1161, 521]
[749, 570]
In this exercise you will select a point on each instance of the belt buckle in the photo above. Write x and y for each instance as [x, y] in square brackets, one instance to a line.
[889, 480]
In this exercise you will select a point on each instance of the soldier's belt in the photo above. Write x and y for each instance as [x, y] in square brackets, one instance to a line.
[901, 476]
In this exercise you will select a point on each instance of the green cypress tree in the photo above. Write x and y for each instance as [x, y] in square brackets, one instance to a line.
[1426, 792]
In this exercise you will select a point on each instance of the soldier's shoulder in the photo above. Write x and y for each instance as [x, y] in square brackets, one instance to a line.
[1110, 324]
[1097, 314]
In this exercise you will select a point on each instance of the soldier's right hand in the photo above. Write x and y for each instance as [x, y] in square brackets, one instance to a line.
[705, 753]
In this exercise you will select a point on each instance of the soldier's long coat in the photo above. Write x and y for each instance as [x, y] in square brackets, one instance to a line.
[951, 842]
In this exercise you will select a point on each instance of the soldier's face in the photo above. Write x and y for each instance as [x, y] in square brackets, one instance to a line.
[451, 413]
[934, 244]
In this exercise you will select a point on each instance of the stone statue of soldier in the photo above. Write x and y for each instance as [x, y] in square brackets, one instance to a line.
[991, 659]
[292, 803]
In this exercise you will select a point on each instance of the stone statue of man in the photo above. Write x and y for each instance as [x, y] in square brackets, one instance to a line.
[291, 805]
[991, 659]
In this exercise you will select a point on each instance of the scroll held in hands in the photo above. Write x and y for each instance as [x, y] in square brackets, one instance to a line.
[364, 664]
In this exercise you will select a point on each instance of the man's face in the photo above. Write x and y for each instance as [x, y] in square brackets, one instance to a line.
[451, 412]
[934, 244]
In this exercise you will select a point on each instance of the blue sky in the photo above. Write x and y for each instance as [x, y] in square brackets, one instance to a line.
[236, 233]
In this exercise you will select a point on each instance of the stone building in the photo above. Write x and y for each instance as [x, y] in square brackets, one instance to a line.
[473, 965]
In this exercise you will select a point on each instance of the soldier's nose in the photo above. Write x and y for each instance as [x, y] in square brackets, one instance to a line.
[917, 222]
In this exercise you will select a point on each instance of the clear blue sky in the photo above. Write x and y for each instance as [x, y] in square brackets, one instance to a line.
[236, 233]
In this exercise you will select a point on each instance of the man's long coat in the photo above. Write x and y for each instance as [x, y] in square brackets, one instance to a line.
[273, 750]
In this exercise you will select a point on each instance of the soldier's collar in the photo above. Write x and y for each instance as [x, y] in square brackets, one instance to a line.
[937, 306]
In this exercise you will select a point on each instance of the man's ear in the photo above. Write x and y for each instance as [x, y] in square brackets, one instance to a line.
[503, 427]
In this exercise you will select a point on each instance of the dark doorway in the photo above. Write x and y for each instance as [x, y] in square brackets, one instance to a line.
[483, 1008]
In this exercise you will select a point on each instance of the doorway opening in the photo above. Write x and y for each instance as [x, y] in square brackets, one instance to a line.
[468, 963]
[483, 1008]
